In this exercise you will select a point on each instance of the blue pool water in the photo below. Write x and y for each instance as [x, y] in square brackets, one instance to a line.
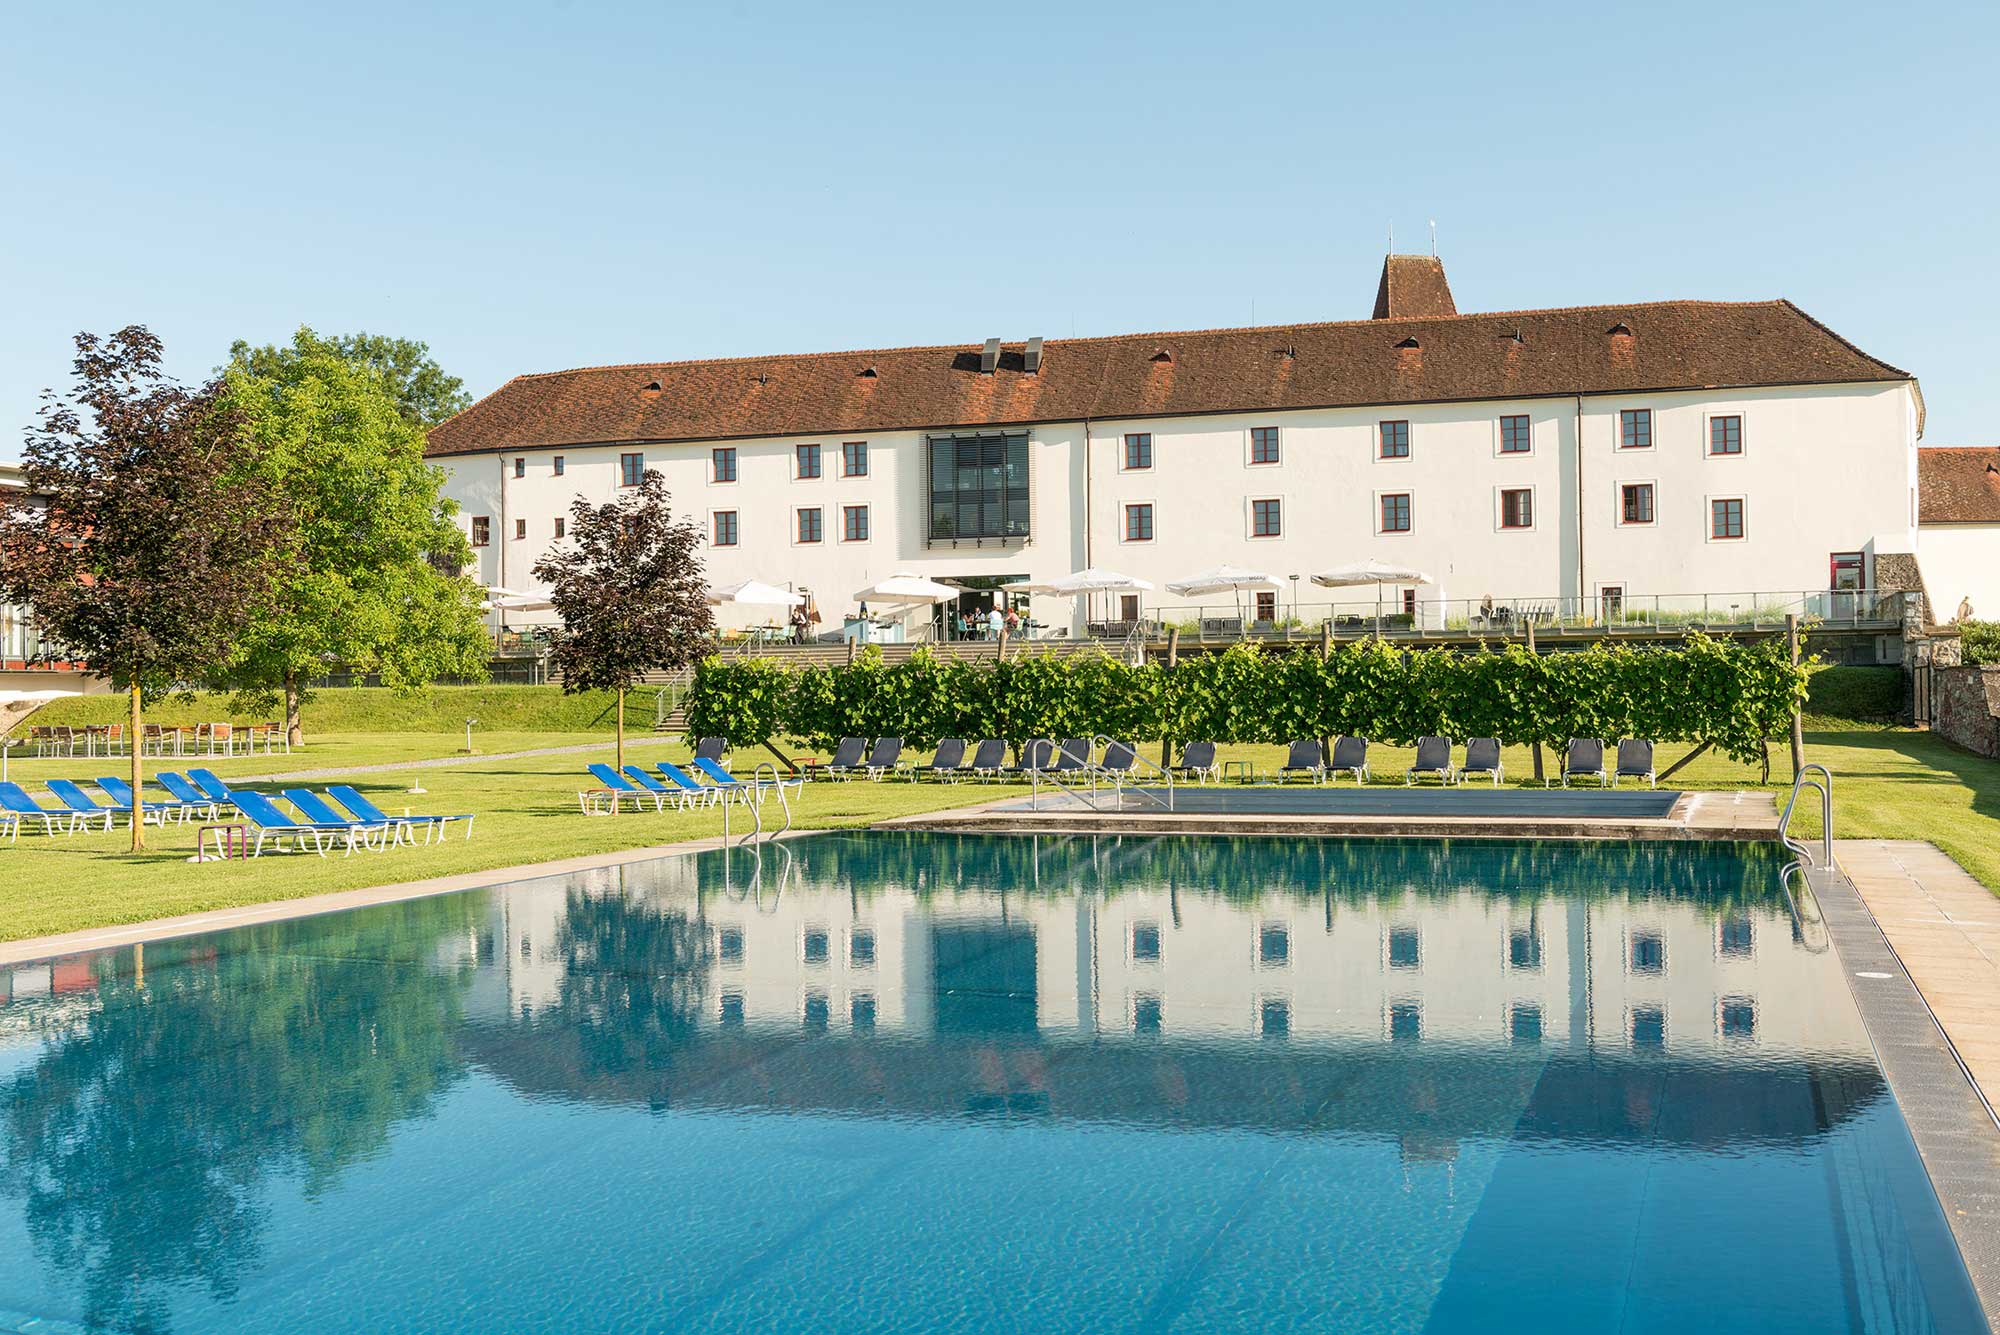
[901, 1083]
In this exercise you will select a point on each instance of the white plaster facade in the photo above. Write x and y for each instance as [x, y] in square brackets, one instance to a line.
[1823, 469]
[1961, 562]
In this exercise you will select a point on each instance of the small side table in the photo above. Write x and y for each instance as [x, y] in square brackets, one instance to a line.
[1244, 770]
[232, 840]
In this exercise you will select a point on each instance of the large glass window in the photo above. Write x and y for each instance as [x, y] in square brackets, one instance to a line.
[979, 486]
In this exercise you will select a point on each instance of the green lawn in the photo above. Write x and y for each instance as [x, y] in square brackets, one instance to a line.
[1890, 782]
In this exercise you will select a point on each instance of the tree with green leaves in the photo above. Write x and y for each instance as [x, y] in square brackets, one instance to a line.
[424, 394]
[631, 591]
[364, 584]
[143, 543]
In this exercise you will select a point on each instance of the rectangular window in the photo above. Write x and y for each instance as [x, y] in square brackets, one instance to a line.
[1847, 571]
[808, 461]
[1267, 607]
[1267, 519]
[722, 464]
[1139, 450]
[558, 462]
[1396, 512]
[1725, 435]
[1635, 503]
[1395, 440]
[1517, 508]
[1128, 607]
[1145, 943]
[1515, 434]
[725, 528]
[810, 525]
[520, 529]
[979, 486]
[1635, 429]
[561, 527]
[1406, 948]
[1725, 518]
[482, 530]
[854, 459]
[1410, 603]
[1274, 945]
[854, 523]
[1611, 602]
[631, 468]
[520, 467]
[1736, 937]
[1263, 444]
[1524, 1024]
[1138, 523]
[1647, 952]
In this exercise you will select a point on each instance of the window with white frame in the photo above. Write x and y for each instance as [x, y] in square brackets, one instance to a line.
[811, 525]
[1635, 428]
[1725, 518]
[1264, 445]
[722, 464]
[808, 461]
[1139, 522]
[1267, 518]
[1516, 434]
[723, 528]
[1517, 507]
[1138, 451]
[1725, 434]
[1393, 440]
[854, 458]
[1635, 503]
[1394, 515]
[631, 469]
[854, 523]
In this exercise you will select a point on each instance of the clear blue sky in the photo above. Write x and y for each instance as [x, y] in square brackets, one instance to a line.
[534, 187]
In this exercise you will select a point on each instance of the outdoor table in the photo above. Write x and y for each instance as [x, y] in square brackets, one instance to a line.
[1244, 770]
[232, 840]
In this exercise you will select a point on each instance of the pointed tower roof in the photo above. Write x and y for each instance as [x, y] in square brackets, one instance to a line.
[1413, 287]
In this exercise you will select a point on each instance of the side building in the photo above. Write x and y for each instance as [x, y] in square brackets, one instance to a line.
[1600, 454]
[1958, 530]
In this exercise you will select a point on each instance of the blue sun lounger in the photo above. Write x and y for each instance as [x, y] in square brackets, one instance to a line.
[274, 824]
[432, 826]
[613, 788]
[212, 788]
[319, 811]
[120, 793]
[182, 791]
[71, 795]
[14, 798]
[723, 779]
[689, 788]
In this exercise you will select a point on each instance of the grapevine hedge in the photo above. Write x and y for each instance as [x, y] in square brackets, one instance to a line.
[1736, 696]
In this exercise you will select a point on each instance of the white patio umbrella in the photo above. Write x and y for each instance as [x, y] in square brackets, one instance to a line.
[1231, 580]
[754, 592]
[906, 589]
[1084, 583]
[1373, 572]
[521, 602]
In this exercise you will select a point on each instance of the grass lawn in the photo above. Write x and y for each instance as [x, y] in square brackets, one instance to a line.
[1889, 783]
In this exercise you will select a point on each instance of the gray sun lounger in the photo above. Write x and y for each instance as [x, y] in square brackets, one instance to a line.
[947, 763]
[1584, 757]
[1433, 757]
[846, 758]
[1304, 757]
[1482, 756]
[1350, 756]
[989, 758]
[1198, 762]
[1635, 761]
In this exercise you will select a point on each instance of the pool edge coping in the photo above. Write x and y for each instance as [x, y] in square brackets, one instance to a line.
[1948, 1117]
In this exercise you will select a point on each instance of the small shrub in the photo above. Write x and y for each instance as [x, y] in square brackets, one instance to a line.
[1980, 642]
[1866, 694]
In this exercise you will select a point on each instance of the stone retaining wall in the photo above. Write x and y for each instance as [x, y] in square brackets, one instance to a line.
[1967, 700]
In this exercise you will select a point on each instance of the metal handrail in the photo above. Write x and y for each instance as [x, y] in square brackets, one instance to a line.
[1102, 743]
[1824, 785]
[777, 782]
[1810, 929]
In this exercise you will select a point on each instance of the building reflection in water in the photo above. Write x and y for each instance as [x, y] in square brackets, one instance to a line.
[1402, 1023]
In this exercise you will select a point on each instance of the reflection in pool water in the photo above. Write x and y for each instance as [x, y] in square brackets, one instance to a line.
[869, 1082]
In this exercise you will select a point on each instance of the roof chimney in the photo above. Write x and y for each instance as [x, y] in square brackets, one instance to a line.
[989, 358]
[1031, 360]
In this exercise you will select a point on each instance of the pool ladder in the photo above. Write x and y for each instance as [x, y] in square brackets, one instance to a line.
[757, 806]
[1093, 770]
[1806, 920]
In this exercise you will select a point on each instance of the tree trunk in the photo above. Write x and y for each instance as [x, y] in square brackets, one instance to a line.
[138, 778]
[620, 765]
[295, 732]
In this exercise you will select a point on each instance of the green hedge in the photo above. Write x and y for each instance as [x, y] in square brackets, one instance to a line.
[1734, 695]
[1867, 694]
[1980, 641]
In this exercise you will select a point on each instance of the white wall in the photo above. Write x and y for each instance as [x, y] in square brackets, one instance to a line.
[1824, 469]
[1961, 561]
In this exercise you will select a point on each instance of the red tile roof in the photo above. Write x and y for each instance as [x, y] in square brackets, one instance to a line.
[1395, 360]
[1958, 486]
[1413, 287]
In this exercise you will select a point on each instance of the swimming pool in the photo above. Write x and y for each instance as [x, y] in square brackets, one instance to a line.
[1314, 800]
[881, 1082]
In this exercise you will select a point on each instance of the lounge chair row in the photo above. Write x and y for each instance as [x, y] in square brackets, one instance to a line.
[354, 822]
[1584, 757]
[635, 789]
